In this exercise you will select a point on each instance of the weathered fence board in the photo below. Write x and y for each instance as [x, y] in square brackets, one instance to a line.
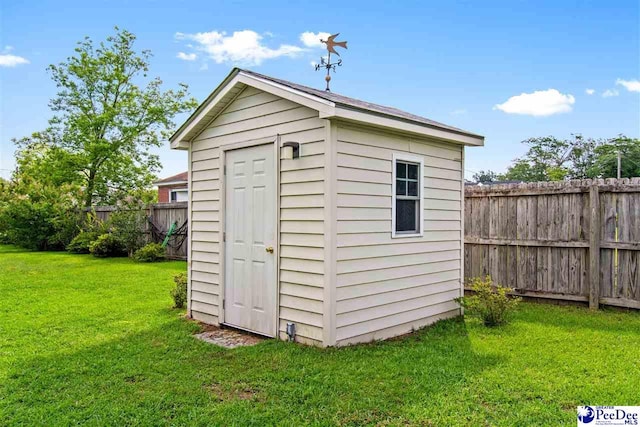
[576, 240]
[163, 215]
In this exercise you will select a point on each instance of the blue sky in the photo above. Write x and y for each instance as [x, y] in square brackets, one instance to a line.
[463, 63]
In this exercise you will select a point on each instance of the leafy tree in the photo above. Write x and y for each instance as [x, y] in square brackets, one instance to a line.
[40, 217]
[5, 197]
[485, 176]
[554, 159]
[104, 123]
[38, 161]
[522, 170]
[605, 164]
[583, 156]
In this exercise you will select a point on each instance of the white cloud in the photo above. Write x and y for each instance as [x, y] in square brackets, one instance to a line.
[610, 93]
[8, 60]
[242, 47]
[186, 56]
[630, 85]
[539, 103]
[310, 39]
[590, 91]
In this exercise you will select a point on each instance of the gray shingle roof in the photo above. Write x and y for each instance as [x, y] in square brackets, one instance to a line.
[357, 104]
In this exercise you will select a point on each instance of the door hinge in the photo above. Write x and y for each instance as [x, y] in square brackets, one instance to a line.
[224, 169]
[223, 304]
[224, 236]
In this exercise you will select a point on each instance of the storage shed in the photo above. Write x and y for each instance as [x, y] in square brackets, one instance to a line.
[341, 217]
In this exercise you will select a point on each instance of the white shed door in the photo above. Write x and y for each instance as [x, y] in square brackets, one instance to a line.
[250, 285]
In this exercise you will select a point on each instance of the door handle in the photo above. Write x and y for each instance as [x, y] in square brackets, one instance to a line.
[269, 249]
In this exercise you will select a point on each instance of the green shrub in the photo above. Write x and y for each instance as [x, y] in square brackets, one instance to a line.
[92, 223]
[127, 224]
[150, 252]
[179, 292]
[491, 303]
[5, 239]
[39, 217]
[107, 245]
[80, 244]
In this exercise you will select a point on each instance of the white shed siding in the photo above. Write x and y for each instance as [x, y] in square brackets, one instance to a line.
[388, 286]
[255, 114]
[301, 240]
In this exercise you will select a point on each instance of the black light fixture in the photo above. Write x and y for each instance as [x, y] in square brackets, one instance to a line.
[291, 150]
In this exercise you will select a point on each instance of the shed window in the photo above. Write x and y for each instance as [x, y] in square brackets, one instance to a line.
[407, 195]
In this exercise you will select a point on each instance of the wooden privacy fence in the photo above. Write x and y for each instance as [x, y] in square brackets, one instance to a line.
[162, 215]
[577, 240]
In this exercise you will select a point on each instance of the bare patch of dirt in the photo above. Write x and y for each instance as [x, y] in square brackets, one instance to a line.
[227, 338]
[234, 392]
[135, 378]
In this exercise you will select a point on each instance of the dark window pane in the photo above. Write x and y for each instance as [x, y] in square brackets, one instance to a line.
[401, 170]
[412, 190]
[413, 171]
[406, 215]
[401, 187]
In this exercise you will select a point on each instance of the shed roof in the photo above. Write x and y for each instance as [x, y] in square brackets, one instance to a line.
[358, 104]
[329, 104]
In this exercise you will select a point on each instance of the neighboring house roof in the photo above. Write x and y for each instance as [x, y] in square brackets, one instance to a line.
[181, 178]
[328, 104]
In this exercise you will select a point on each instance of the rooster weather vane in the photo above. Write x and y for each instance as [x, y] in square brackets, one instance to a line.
[326, 63]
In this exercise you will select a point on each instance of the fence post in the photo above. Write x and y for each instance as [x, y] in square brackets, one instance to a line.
[594, 246]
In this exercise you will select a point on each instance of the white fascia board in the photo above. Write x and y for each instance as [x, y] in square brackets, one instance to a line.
[402, 125]
[181, 141]
[315, 103]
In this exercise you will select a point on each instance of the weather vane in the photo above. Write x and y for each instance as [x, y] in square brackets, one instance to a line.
[331, 43]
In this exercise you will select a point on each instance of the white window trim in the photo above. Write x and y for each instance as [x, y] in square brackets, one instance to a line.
[412, 159]
[175, 190]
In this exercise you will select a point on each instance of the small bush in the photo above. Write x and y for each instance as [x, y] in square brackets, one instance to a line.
[491, 303]
[179, 292]
[92, 222]
[150, 252]
[127, 225]
[80, 244]
[107, 245]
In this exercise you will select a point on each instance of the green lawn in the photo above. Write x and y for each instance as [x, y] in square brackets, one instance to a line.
[94, 341]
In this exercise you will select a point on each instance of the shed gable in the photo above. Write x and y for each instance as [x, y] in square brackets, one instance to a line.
[327, 104]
